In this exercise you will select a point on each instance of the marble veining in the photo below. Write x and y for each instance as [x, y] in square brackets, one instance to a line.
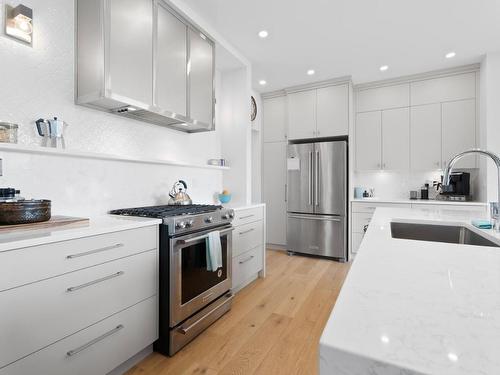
[416, 307]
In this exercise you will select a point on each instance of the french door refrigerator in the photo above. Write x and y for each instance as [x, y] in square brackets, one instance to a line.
[317, 199]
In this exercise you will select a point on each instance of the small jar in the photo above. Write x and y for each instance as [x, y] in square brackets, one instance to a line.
[8, 132]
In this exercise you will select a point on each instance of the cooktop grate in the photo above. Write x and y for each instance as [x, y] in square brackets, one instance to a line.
[166, 210]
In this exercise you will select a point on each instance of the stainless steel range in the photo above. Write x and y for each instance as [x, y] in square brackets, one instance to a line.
[191, 296]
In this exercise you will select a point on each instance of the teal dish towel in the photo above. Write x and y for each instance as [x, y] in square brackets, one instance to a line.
[481, 223]
[214, 251]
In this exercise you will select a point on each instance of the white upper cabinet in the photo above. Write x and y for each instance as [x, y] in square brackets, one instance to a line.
[459, 131]
[396, 139]
[200, 77]
[425, 136]
[387, 97]
[368, 140]
[302, 114]
[332, 111]
[274, 119]
[171, 63]
[444, 89]
[322, 112]
[131, 49]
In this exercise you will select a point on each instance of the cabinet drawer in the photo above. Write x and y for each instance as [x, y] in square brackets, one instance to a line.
[246, 237]
[38, 314]
[356, 240]
[58, 258]
[454, 207]
[246, 265]
[370, 207]
[247, 215]
[112, 341]
[359, 220]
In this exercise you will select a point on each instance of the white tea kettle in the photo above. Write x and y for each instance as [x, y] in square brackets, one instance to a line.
[178, 195]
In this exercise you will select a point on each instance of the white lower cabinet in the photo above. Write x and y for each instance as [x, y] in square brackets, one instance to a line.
[97, 349]
[248, 246]
[80, 310]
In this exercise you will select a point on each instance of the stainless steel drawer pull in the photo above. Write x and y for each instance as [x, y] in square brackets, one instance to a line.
[247, 217]
[73, 288]
[72, 256]
[94, 341]
[246, 260]
[247, 231]
[185, 330]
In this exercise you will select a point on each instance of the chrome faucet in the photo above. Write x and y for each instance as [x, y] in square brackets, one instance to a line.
[494, 206]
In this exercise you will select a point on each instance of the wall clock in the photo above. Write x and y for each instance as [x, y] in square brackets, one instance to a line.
[253, 113]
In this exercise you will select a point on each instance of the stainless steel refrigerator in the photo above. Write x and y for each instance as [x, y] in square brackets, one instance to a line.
[317, 199]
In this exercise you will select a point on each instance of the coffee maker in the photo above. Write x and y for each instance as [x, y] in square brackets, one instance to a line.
[458, 189]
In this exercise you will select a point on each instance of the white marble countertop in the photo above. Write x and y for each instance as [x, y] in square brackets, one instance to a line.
[415, 307]
[418, 201]
[97, 225]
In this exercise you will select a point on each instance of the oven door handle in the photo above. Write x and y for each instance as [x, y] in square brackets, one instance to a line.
[194, 239]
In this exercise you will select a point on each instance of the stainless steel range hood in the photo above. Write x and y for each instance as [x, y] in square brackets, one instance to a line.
[142, 60]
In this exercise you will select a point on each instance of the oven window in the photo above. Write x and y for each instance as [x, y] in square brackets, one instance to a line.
[195, 277]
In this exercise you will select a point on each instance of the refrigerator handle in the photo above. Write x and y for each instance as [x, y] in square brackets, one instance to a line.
[316, 179]
[310, 177]
[286, 193]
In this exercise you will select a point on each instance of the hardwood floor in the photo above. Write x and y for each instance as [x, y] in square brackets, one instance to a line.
[273, 327]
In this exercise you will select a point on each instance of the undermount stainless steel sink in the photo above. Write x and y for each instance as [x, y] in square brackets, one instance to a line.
[439, 233]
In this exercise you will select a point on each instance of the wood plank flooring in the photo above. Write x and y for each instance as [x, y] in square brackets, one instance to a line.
[273, 327]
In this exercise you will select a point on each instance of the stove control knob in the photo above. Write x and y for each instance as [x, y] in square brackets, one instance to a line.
[209, 219]
[180, 225]
[226, 216]
[231, 214]
[189, 223]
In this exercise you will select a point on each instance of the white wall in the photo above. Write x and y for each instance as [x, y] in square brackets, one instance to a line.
[490, 117]
[233, 106]
[39, 82]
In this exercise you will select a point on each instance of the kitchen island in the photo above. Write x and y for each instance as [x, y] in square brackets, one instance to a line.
[416, 307]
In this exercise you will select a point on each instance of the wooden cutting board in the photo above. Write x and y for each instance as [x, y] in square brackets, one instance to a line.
[56, 221]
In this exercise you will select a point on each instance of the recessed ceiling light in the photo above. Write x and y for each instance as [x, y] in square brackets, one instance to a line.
[262, 82]
[310, 72]
[383, 68]
[450, 55]
[263, 34]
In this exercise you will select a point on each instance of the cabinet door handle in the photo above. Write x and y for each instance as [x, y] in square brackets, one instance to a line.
[106, 248]
[71, 353]
[247, 231]
[246, 260]
[81, 286]
[247, 217]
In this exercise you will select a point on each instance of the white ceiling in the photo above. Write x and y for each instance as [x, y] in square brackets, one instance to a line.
[353, 37]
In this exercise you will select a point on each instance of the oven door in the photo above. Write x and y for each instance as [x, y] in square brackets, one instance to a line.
[192, 286]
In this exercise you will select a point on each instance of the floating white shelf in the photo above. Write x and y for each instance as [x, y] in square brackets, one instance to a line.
[102, 156]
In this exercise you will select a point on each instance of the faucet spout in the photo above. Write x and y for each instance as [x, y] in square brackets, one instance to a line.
[494, 206]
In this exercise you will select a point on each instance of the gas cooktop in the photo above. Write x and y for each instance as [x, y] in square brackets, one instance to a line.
[161, 212]
[183, 219]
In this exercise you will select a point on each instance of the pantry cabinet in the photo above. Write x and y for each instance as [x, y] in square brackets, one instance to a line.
[274, 191]
[322, 112]
[274, 118]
